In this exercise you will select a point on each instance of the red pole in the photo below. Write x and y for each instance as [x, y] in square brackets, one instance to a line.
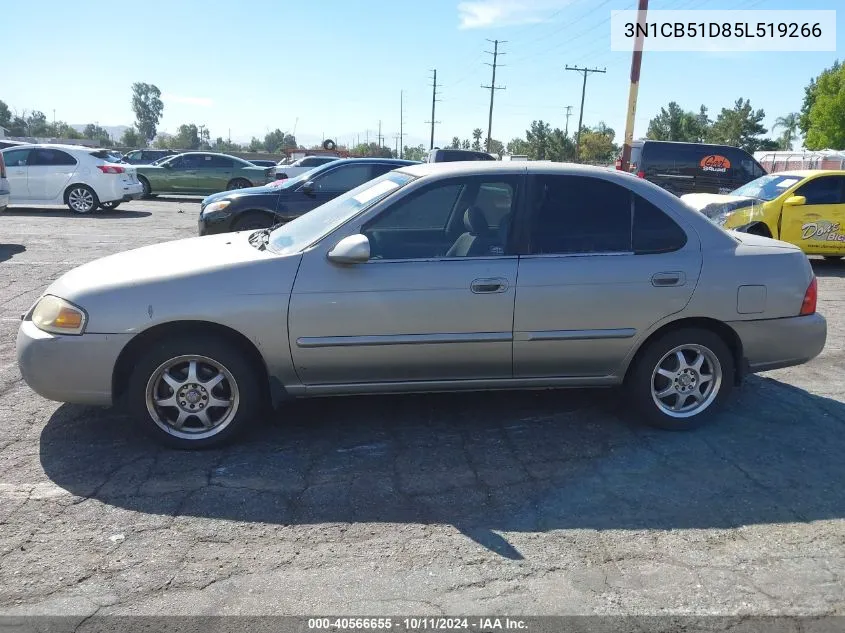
[636, 62]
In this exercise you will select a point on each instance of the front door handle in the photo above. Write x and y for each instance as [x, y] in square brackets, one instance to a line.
[488, 286]
[668, 279]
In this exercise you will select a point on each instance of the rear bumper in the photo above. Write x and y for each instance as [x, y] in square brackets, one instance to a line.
[122, 193]
[777, 343]
[5, 200]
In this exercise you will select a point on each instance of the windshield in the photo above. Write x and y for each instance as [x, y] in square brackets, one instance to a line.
[767, 187]
[300, 233]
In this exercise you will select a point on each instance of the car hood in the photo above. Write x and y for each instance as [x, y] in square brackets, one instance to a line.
[713, 205]
[185, 279]
[240, 193]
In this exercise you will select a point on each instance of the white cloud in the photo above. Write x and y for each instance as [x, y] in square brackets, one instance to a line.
[478, 14]
[203, 102]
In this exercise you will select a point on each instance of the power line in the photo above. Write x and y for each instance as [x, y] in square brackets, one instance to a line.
[585, 72]
[493, 88]
[434, 100]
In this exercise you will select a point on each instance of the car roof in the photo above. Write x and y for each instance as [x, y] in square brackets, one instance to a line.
[73, 148]
[460, 168]
[804, 173]
[399, 162]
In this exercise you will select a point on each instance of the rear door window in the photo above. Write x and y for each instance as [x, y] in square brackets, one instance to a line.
[50, 157]
[16, 157]
[823, 190]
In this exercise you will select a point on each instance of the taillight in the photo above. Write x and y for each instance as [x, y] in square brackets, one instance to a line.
[2, 167]
[640, 174]
[111, 169]
[808, 306]
[618, 163]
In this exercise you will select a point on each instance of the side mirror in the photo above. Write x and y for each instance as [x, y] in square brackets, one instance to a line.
[167, 165]
[354, 249]
[308, 188]
[794, 201]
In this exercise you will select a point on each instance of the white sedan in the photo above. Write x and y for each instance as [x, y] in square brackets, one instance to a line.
[301, 166]
[80, 177]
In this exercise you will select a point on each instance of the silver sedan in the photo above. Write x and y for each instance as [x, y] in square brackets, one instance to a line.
[451, 276]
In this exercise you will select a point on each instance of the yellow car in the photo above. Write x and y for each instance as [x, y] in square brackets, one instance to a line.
[805, 208]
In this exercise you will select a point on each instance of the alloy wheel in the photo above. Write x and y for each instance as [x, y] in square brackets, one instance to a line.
[686, 380]
[81, 200]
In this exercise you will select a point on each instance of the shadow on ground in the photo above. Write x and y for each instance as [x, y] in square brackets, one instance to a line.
[187, 199]
[100, 214]
[486, 463]
[828, 267]
[7, 251]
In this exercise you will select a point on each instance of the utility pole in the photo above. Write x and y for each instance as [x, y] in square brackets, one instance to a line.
[585, 72]
[396, 141]
[493, 88]
[434, 100]
[367, 136]
[379, 134]
[568, 114]
[636, 62]
[401, 123]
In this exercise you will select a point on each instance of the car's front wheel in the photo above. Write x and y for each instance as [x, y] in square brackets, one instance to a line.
[682, 378]
[81, 199]
[194, 392]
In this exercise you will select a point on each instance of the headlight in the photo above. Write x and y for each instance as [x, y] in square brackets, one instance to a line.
[58, 316]
[217, 206]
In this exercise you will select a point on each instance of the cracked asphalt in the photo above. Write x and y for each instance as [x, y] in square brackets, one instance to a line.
[528, 502]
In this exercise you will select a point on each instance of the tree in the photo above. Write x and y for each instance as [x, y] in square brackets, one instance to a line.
[36, 124]
[5, 115]
[187, 137]
[517, 146]
[537, 138]
[476, 139]
[673, 123]
[597, 144]
[496, 147]
[95, 133]
[374, 150]
[130, 138]
[147, 106]
[274, 141]
[62, 130]
[465, 144]
[789, 124]
[289, 141]
[823, 113]
[561, 147]
[255, 145]
[456, 142]
[740, 126]
[415, 153]
[163, 140]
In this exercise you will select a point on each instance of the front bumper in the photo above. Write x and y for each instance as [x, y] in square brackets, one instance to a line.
[776, 343]
[214, 224]
[74, 369]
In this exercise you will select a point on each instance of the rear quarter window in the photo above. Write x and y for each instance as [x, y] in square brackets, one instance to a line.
[654, 231]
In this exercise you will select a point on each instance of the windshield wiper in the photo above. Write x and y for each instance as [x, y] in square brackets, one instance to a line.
[259, 239]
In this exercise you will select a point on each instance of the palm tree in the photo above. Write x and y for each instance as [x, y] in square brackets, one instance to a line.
[476, 139]
[789, 124]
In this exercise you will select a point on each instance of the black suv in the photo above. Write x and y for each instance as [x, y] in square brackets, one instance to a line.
[693, 167]
[147, 156]
[438, 155]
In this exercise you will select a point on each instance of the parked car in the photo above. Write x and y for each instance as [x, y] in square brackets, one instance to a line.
[263, 163]
[297, 167]
[148, 156]
[201, 173]
[80, 177]
[4, 143]
[261, 207]
[805, 208]
[438, 155]
[466, 276]
[4, 185]
[682, 168]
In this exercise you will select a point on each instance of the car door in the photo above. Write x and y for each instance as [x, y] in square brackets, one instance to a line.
[181, 175]
[818, 225]
[49, 171]
[213, 173]
[16, 173]
[328, 184]
[593, 277]
[414, 311]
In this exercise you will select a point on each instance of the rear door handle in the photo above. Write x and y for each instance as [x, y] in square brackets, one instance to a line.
[488, 286]
[668, 279]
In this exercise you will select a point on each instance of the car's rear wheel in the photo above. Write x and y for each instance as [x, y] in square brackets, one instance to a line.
[194, 392]
[147, 190]
[238, 183]
[110, 206]
[253, 220]
[81, 199]
[682, 378]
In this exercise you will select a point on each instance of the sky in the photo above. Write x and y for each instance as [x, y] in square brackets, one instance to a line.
[335, 68]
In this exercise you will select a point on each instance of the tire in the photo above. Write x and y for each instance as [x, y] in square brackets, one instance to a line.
[147, 191]
[81, 199]
[110, 206]
[181, 399]
[683, 411]
[252, 220]
[238, 183]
